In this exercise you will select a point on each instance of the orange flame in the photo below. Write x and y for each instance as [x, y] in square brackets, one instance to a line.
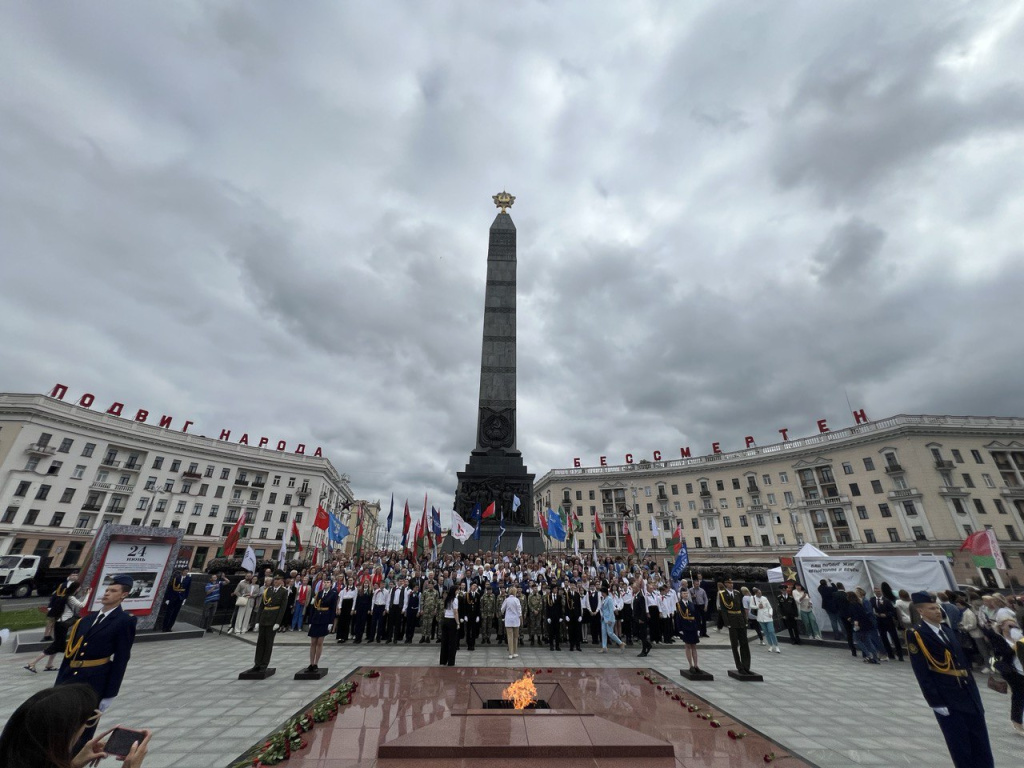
[522, 693]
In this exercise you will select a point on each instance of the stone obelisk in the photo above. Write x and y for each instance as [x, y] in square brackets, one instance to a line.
[496, 471]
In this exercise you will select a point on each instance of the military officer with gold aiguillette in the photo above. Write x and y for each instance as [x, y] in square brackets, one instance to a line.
[730, 607]
[273, 604]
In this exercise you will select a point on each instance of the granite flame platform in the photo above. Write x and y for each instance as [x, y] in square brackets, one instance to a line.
[414, 717]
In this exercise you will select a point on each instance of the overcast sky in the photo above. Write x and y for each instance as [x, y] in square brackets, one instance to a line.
[273, 219]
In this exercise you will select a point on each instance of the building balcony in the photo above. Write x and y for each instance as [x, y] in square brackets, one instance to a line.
[110, 463]
[132, 466]
[124, 488]
[712, 512]
[1012, 491]
[820, 525]
[192, 475]
[904, 493]
[83, 531]
[752, 488]
[91, 507]
[942, 464]
[241, 482]
[101, 486]
[259, 483]
[953, 490]
[662, 497]
[113, 510]
[894, 469]
[757, 508]
[38, 449]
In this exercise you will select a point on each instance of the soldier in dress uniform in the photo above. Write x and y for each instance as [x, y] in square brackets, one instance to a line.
[469, 613]
[412, 611]
[321, 610]
[574, 617]
[944, 674]
[555, 608]
[486, 616]
[99, 647]
[535, 614]
[273, 604]
[175, 596]
[730, 610]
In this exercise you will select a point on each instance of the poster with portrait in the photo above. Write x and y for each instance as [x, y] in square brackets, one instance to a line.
[145, 559]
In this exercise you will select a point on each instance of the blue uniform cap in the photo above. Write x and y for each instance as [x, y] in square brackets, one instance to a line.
[123, 580]
[921, 597]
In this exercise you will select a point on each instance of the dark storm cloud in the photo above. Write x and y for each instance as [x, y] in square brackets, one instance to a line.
[729, 219]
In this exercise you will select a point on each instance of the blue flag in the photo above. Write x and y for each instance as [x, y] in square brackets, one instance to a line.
[555, 527]
[435, 521]
[682, 560]
[475, 517]
[336, 531]
[391, 514]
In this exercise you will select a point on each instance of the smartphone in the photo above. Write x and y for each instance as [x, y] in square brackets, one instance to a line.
[120, 741]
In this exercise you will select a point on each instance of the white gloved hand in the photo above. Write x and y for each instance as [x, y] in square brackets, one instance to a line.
[277, 627]
[105, 704]
[549, 621]
[477, 619]
[167, 602]
[580, 618]
[944, 711]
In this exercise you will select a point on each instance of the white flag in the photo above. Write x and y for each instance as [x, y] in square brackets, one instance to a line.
[249, 561]
[654, 528]
[576, 545]
[461, 530]
[283, 555]
[519, 546]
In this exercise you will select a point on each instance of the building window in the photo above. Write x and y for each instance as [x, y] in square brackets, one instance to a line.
[979, 506]
[869, 464]
[735, 483]
[190, 529]
[1011, 532]
[766, 479]
[691, 505]
[650, 509]
[976, 455]
[158, 462]
[186, 487]
[30, 518]
[957, 457]
[689, 487]
[876, 486]
[143, 502]
[918, 532]
[999, 506]
[714, 541]
[298, 516]
[723, 503]
[726, 521]
[884, 509]
[31, 464]
[225, 473]
[287, 499]
[894, 535]
[22, 489]
[780, 539]
[675, 491]
[67, 442]
[771, 499]
[730, 541]
[847, 468]
[180, 507]
[169, 486]
[264, 532]
[695, 523]
[854, 489]
[988, 481]
[161, 505]
[869, 536]
[197, 510]
[743, 521]
[783, 477]
[43, 492]
[214, 510]
[675, 506]
[219, 493]
[697, 542]
[291, 483]
[79, 472]
[788, 497]
[88, 449]
[208, 529]
[9, 515]
[175, 465]
[959, 507]
[862, 513]
[968, 481]
[204, 488]
[272, 499]
[209, 470]
[909, 508]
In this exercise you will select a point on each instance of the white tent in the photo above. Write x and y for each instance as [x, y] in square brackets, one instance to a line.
[775, 575]
[809, 550]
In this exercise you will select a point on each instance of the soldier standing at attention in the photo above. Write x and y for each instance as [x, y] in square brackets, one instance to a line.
[944, 674]
[730, 610]
[322, 610]
[486, 616]
[555, 615]
[430, 604]
[273, 604]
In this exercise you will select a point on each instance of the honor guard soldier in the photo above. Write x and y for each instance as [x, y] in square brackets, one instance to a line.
[273, 604]
[574, 617]
[430, 613]
[944, 675]
[535, 614]
[175, 596]
[555, 616]
[100, 645]
[730, 609]
[487, 606]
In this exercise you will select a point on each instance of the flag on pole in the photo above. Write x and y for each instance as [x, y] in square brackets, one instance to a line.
[501, 531]
[598, 528]
[406, 524]
[423, 530]
[543, 518]
[654, 528]
[232, 540]
[515, 502]
[461, 530]
[984, 549]
[435, 521]
[338, 530]
[489, 512]
[555, 528]
[576, 546]
[630, 546]
[249, 561]
[322, 520]
[682, 555]
[391, 513]
[519, 546]
[475, 517]
[282, 556]
[596, 563]
[359, 529]
[296, 538]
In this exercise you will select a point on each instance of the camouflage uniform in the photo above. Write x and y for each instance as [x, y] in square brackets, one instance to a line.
[486, 616]
[535, 616]
[430, 613]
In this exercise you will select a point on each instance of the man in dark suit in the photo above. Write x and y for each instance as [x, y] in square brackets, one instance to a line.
[175, 596]
[574, 617]
[99, 647]
[944, 675]
[887, 620]
[398, 601]
[469, 613]
[641, 619]
[274, 602]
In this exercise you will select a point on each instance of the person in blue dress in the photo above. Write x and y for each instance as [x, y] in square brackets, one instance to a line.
[321, 611]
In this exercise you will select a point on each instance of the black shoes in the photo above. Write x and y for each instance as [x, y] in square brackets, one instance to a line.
[641, 654]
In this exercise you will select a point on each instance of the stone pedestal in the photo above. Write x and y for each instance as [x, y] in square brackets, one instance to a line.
[746, 677]
[697, 676]
[304, 674]
[263, 674]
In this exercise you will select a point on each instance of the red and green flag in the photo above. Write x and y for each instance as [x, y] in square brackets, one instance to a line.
[984, 549]
[296, 539]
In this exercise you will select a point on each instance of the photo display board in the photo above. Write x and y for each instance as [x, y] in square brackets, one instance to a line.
[145, 559]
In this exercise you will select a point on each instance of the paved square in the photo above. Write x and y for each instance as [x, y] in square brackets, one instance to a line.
[826, 707]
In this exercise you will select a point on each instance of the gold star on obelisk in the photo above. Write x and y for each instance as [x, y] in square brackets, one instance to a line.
[503, 200]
